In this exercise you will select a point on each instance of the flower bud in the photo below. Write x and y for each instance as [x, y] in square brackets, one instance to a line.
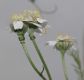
[64, 43]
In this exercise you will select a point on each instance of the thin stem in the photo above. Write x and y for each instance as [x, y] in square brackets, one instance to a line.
[30, 60]
[81, 72]
[42, 59]
[64, 67]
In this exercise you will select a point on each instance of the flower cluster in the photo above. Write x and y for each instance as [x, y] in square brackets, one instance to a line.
[31, 22]
[29, 19]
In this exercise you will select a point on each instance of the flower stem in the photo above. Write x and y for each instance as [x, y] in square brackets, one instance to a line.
[42, 59]
[30, 60]
[64, 67]
[81, 74]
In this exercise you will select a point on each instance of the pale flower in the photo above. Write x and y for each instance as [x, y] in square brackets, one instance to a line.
[62, 43]
[30, 19]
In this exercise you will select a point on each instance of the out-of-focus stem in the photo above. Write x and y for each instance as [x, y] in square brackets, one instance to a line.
[64, 66]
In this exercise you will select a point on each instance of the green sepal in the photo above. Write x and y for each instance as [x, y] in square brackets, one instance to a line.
[30, 24]
[21, 35]
[31, 34]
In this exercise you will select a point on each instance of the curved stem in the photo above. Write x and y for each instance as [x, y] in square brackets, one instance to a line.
[42, 59]
[64, 67]
[30, 60]
[43, 11]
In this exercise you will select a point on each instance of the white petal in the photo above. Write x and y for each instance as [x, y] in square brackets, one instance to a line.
[48, 26]
[74, 48]
[43, 22]
[28, 19]
[39, 30]
[51, 43]
[38, 25]
[18, 25]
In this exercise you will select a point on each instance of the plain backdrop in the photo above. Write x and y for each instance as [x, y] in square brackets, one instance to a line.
[68, 19]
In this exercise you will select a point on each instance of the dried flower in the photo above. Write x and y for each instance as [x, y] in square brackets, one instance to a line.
[31, 19]
[62, 43]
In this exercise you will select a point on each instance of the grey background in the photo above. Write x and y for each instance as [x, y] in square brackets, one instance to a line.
[69, 18]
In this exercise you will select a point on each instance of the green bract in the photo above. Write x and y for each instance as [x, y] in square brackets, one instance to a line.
[63, 45]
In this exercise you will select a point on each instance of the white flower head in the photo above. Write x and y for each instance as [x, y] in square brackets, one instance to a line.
[31, 19]
[62, 43]
[18, 19]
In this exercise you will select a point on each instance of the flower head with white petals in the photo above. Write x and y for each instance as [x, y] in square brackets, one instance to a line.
[31, 19]
[62, 43]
